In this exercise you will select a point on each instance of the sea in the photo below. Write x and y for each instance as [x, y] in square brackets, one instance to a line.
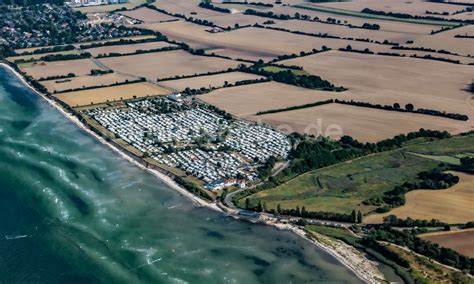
[73, 211]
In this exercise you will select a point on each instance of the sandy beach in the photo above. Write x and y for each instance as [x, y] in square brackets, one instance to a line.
[368, 273]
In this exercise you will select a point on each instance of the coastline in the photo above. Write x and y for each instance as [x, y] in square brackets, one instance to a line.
[365, 276]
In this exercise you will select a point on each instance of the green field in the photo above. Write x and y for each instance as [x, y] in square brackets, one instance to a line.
[371, 16]
[337, 233]
[342, 187]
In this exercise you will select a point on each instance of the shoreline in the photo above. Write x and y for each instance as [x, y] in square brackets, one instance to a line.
[366, 277]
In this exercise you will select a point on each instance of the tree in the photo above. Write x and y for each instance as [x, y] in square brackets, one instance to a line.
[467, 162]
[396, 106]
[354, 216]
[259, 206]
[301, 222]
[359, 217]
[409, 107]
[279, 208]
[247, 203]
[304, 213]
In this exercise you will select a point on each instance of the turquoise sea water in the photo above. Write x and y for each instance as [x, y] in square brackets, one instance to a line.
[72, 211]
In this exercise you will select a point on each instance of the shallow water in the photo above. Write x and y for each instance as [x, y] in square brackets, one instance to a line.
[73, 211]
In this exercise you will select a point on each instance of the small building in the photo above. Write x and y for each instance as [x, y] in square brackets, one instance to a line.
[175, 97]
[216, 184]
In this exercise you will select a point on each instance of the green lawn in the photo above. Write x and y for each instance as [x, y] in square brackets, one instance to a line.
[450, 146]
[342, 187]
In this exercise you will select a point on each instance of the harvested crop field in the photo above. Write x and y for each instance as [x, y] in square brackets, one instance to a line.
[230, 20]
[148, 15]
[182, 31]
[454, 205]
[464, 30]
[129, 48]
[388, 80]
[460, 241]
[385, 25]
[462, 16]
[245, 101]
[417, 7]
[46, 69]
[337, 11]
[440, 41]
[364, 124]
[167, 64]
[252, 43]
[345, 31]
[84, 81]
[102, 95]
[185, 7]
[208, 81]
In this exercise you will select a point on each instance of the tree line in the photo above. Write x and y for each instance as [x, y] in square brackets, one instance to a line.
[177, 77]
[288, 77]
[49, 49]
[434, 251]
[425, 49]
[262, 4]
[204, 90]
[57, 77]
[209, 5]
[139, 51]
[187, 19]
[434, 179]
[296, 55]
[57, 57]
[298, 16]
[159, 37]
[319, 103]
[408, 16]
[354, 217]
[102, 86]
[394, 221]
[408, 108]
[430, 57]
